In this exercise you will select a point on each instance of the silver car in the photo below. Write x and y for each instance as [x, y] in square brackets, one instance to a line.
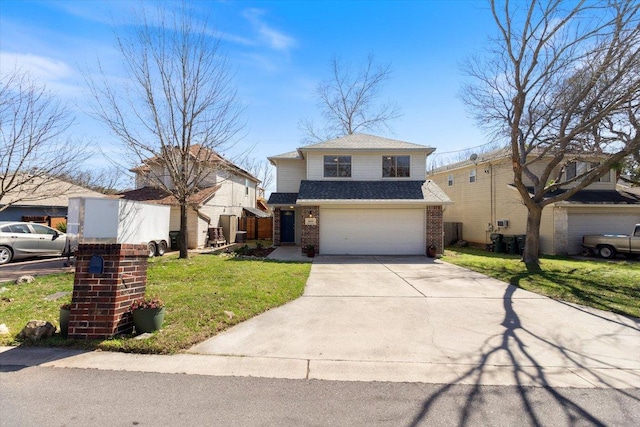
[24, 240]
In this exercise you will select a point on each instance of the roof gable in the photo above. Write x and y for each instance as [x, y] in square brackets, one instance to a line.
[361, 141]
[355, 142]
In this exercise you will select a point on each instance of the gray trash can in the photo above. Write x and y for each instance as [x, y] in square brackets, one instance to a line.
[241, 236]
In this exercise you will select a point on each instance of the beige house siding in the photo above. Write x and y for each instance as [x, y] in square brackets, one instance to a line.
[479, 205]
[289, 173]
[364, 166]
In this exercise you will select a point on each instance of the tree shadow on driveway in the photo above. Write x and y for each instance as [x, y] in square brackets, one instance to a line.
[525, 372]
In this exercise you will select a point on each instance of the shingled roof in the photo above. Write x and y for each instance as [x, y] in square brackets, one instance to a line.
[356, 141]
[597, 197]
[163, 197]
[374, 191]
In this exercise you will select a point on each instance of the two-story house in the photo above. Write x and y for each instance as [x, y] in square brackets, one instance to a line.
[358, 194]
[226, 193]
[487, 202]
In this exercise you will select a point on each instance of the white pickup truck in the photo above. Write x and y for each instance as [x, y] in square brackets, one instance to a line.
[609, 245]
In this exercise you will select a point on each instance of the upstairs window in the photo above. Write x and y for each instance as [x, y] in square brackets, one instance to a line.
[396, 166]
[246, 187]
[450, 180]
[337, 166]
[571, 170]
[472, 176]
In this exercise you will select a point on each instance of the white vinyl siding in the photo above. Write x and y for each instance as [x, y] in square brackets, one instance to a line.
[364, 166]
[289, 173]
[372, 231]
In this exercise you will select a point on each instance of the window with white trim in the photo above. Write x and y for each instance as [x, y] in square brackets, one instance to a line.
[450, 180]
[472, 176]
[337, 166]
[396, 166]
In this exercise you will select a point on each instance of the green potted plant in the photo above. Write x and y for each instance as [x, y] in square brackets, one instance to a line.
[65, 313]
[311, 251]
[147, 314]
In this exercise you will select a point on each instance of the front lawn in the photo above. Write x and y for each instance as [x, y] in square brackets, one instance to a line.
[607, 285]
[204, 295]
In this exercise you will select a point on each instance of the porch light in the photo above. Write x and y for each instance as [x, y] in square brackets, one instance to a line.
[290, 207]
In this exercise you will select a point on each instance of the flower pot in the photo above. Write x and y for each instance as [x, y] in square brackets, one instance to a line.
[64, 321]
[148, 319]
[311, 253]
[431, 252]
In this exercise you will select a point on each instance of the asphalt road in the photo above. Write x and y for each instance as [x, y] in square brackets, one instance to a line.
[38, 396]
[33, 267]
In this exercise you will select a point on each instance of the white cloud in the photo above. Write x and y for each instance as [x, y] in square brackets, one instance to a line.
[41, 68]
[267, 35]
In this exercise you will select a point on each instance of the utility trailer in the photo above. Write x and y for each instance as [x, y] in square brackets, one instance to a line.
[110, 220]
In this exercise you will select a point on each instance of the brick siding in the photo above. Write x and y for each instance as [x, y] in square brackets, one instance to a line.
[435, 228]
[100, 302]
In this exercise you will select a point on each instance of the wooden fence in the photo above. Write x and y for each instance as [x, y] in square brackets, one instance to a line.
[256, 228]
[452, 232]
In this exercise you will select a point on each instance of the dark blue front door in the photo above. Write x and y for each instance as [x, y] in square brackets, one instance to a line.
[287, 227]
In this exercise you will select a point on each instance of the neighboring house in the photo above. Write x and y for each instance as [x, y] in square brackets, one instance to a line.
[228, 192]
[43, 200]
[486, 202]
[359, 194]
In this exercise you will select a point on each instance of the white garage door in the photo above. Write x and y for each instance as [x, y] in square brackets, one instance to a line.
[598, 223]
[372, 231]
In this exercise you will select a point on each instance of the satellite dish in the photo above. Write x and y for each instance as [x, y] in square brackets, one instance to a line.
[473, 157]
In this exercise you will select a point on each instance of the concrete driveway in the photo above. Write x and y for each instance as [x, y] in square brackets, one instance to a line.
[418, 319]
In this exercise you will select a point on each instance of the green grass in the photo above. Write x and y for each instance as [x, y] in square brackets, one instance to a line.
[606, 285]
[196, 291]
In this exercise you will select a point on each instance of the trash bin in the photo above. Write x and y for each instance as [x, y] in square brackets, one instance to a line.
[173, 236]
[522, 240]
[241, 236]
[511, 244]
[498, 244]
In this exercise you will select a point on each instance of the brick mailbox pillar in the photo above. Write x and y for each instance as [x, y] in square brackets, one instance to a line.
[109, 277]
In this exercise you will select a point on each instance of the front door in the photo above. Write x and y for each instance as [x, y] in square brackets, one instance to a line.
[287, 227]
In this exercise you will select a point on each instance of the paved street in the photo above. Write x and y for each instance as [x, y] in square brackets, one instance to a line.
[39, 396]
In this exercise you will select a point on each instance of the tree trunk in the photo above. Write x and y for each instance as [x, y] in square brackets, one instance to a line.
[182, 241]
[532, 244]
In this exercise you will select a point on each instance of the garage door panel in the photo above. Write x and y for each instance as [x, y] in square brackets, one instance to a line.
[581, 224]
[372, 231]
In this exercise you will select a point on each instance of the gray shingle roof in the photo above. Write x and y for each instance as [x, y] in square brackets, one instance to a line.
[372, 190]
[599, 197]
[282, 199]
[356, 141]
[361, 141]
[289, 155]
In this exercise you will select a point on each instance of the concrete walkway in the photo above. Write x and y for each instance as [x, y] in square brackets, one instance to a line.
[405, 319]
[289, 254]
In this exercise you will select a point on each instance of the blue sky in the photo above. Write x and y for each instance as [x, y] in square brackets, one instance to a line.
[280, 51]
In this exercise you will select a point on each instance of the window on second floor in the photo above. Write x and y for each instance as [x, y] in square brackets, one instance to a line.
[246, 187]
[574, 169]
[450, 180]
[396, 166]
[337, 166]
[472, 175]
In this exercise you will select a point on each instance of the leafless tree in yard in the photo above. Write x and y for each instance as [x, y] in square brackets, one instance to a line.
[177, 107]
[349, 101]
[33, 145]
[261, 169]
[560, 83]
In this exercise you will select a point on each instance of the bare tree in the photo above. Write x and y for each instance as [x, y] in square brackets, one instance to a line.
[349, 101]
[561, 83]
[33, 146]
[261, 169]
[177, 107]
